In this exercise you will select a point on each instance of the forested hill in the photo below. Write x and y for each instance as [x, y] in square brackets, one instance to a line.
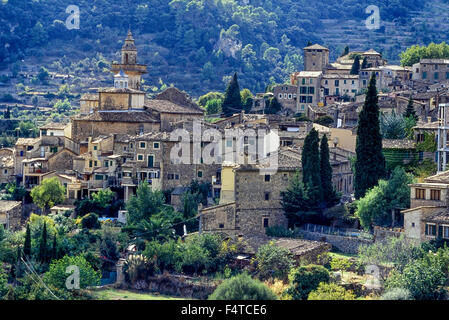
[193, 44]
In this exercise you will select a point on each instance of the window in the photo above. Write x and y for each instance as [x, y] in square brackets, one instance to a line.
[95, 163]
[267, 196]
[413, 224]
[265, 222]
[95, 147]
[155, 145]
[140, 157]
[90, 163]
[435, 194]
[228, 143]
[424, 75]
[200, 174]
[337, 83]
[285, 96]
[326, 91]
[435, 75]
[280, 95]
[309, 99]
[311, 90]
[431, 229]
[176, 176]
[446, 232]
[289, 95]
[106, 164]
[303, 90]
[267, 178]
[142, 145]
[98, 177]
[221, 225]
[420, 193]
[150, 161]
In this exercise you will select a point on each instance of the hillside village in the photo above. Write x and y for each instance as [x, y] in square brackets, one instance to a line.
[127, 186]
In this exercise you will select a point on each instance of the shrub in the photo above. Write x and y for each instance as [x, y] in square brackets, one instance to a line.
[90, 221]
[242, 287]
[279, 231]
[305, 279]
[273, 261]
[280, 288]
[331, 291]
[397, 294]
[138, 267]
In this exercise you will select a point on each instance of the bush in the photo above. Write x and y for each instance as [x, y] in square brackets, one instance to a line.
[279, 231]
[331, 291]
[397, 294]
[305, 279]
[242, 287]
[90, 221]
[273, 261]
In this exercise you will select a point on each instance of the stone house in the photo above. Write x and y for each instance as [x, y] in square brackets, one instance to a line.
[309, 85]
[316, 58]
[10, 214]
[7, 158]
[339, 85]
[428, 216]
[431, 70]
[286, 94]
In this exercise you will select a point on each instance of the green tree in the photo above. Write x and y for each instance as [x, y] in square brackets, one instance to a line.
[294, 200]
[273, 106]
[355, 65]
[410, 110]
[3, 283]
[311, 177]
[213, 106]
[232, 102]
[27, 243]
[56, 276]
[43, 249]
[49, 193]
[375, 207]
[392, 126]
[247, 99]
[364, 63]
[370, 161]
[242, 287]
[144, 204]
[331, 291]
[273, 262]
[306, 279]
[327, 187]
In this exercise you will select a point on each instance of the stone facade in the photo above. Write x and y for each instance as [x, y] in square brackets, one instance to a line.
[343, 244]
[11, 214]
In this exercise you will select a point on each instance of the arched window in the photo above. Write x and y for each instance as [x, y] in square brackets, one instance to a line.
[126, 58]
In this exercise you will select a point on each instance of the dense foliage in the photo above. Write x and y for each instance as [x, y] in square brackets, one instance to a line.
[242, 287]
[305, 279]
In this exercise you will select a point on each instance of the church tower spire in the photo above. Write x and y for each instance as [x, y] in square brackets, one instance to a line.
[129, 64]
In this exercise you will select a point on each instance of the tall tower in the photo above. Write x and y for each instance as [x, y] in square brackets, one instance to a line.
[129, 64]
[442, 138]
[316, 58]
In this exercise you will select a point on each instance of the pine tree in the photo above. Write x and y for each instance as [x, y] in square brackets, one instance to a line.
[232, 102]
[43, 245]
[410, 110]
[355, 66]
[329, 194]
[370, 161]
[7, 113]
[311, 168]
[27, 244]
[294, 201]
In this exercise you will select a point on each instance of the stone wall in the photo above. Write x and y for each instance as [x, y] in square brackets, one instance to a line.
[343, 244]
[381, 234]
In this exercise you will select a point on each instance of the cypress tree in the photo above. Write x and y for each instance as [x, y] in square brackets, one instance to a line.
[311, 168]
[309, 43]
[43, 245]
[370, 161]
[355, 66]
[329, 195]
[232, 102]
[54, 250]
[294, 201]
[345, 51]
[27, 244]
[410, 110]
[364, 63]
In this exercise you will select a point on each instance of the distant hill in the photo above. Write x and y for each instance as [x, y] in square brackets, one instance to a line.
[197, 44]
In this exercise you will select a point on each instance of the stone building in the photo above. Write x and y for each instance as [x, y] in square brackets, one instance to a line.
[316, 58]
[309, 85]
[7, 157]
[286, 94]
[431, 70]
[129, 64]
[10, 214]
[428, 216]
[340, 85]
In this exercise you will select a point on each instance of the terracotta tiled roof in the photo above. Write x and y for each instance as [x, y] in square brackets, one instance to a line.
[316, 47]
[6, 162]
[442, 177]
[27, 141]
[165, 106]
[119, 116]
[6, 205]
[440, 215]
